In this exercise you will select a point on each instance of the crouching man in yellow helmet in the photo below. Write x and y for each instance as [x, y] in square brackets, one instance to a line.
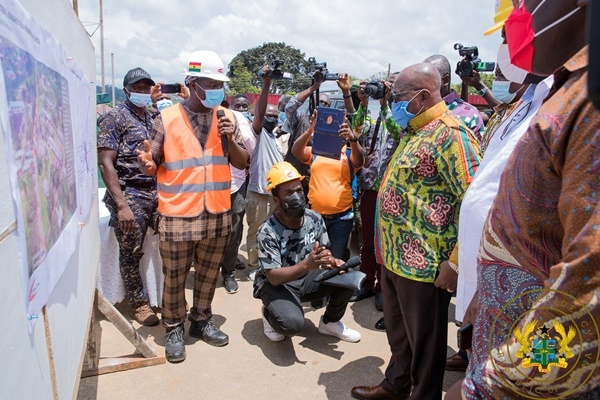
[192, 145]
[292, 248]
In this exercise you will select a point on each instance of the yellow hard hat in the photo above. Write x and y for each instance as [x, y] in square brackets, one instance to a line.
[280, 173]
[503, 10]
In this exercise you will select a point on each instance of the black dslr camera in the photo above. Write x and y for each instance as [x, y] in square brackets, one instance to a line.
[471, 61]
[375, 89]
[274, 72]
[320, 72]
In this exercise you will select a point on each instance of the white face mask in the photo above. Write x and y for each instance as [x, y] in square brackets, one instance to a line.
[500, 90]
[510, 71]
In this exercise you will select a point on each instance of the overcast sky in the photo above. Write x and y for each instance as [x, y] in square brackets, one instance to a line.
[358, 37]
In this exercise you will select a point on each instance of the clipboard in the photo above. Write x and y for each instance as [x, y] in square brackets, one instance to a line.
[327, 141]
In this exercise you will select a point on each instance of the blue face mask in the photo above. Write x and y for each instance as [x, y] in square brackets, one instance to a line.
[282, 116]
[501, 91]
[214, 97]
[401, 114]
[139, 99]
[247, 115]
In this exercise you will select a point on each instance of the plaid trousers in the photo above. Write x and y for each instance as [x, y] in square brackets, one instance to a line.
[206, 256]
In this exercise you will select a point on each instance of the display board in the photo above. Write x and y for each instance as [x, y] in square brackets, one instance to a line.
[49, 240]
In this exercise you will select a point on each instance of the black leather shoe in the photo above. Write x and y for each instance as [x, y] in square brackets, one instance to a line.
[456, 363]
[379, 301]
[175, 345]
[207, 331]
[380, 324]
[371, 393]
[361, 295]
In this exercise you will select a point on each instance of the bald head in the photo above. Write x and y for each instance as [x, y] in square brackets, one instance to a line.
[442, 64]
[419, 84]
[419, 76]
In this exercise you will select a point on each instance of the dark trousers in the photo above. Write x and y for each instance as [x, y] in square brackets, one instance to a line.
[369, 263]
[416, 317]
[130, 252]
[238, 209]
[283, 308]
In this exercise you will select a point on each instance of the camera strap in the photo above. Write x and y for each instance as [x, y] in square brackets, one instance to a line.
[374, 140]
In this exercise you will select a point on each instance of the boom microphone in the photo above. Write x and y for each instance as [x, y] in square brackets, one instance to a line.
[224, 144]
[351, 263]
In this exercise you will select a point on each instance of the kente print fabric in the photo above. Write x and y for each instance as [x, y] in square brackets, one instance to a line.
[420, 195]
[539, 258]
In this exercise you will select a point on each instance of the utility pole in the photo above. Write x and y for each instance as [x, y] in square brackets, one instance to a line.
[389, 70]
[112, 62]
[76, 7]
[102, 46]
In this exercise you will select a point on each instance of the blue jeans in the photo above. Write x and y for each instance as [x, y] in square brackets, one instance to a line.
[339, 230]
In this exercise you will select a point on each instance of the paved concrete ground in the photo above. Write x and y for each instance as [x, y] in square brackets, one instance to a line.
[308, 366]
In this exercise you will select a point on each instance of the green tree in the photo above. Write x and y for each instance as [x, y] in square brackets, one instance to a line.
[486, 78]
[252, 60]
[241, 80]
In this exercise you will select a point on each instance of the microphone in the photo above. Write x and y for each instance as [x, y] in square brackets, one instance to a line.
[224, 144]
[351, 263]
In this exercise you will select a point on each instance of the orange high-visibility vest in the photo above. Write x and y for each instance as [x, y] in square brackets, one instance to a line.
[190, 179]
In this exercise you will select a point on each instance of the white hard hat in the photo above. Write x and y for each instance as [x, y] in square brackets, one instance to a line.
[205, 64]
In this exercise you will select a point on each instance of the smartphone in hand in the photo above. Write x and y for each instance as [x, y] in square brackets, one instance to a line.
[170, 88]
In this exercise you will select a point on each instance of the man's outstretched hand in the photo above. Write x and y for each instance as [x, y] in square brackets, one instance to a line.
[147, 165]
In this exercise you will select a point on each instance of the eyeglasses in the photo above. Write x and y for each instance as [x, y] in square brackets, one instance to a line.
[324, 103]
[396, 96]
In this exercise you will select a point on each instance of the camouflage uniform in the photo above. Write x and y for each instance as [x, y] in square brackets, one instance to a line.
[281, 247]
[122, 130]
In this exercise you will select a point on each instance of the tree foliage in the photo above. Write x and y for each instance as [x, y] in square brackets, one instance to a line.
[245, 67]
[486, 78]
[242, 80]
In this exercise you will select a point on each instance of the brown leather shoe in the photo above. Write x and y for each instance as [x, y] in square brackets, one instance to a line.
[145, 316]
[456, 363]
[371, 392]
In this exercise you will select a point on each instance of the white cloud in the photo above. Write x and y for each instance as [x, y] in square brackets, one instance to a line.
[353, 36]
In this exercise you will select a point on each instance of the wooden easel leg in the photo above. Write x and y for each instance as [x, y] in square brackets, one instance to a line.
[97, 366]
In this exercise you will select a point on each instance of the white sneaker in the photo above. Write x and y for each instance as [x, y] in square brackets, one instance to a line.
[339, 330]
[252, 274]
[273, 335]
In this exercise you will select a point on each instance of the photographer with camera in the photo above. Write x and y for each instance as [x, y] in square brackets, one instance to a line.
[379, 142]
[296, 123]
[259, 201]
[459, 107]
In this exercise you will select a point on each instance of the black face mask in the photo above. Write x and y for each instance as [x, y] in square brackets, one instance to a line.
[295, 205]
[270, 123]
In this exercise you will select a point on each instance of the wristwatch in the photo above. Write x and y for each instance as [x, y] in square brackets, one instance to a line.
[347, 96]
[482, 91]
[355, 139]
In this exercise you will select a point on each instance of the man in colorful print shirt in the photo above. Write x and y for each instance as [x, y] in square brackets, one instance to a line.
[418, 207]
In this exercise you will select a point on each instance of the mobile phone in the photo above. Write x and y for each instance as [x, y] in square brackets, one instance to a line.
[465, 336]
[170, 88]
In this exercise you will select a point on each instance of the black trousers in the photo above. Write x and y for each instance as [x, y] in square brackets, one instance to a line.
[283, 308]
[238, 209]
[416, 320]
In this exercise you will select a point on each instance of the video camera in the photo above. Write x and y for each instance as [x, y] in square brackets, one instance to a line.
[471, 61]
[274, 72]
[321, 73]
[375, 89]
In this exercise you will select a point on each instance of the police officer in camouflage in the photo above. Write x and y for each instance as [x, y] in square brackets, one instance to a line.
[292, 248]
[130, 195]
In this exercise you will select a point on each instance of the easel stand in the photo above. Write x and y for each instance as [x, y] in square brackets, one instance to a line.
[96, 366]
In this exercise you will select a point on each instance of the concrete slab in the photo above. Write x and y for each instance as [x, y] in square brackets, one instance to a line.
[309, 365]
